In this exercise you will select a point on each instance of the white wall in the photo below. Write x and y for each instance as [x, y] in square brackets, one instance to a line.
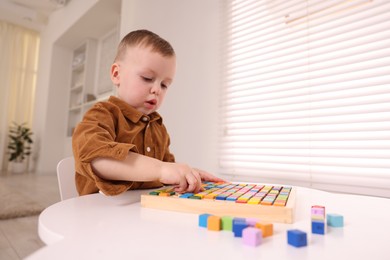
[191, 106]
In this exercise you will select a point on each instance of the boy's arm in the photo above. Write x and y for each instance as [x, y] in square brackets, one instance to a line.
[137, 167]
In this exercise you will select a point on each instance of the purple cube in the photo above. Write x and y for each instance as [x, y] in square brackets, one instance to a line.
[252, 236]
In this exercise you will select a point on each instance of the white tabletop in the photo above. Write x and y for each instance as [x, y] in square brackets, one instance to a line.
[99, 227]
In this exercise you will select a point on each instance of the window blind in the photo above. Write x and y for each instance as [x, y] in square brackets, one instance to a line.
[306, 94]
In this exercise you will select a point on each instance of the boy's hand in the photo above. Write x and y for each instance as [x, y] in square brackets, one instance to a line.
[206, 176]
[182, 176]
[185, 178]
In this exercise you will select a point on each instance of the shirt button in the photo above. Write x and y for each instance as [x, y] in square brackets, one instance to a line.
[148, 149]
[145, 119]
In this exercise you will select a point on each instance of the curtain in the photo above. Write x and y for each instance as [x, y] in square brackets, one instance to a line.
[306, 94]
[19, 49]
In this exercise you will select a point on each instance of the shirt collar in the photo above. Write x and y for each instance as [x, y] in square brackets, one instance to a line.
[133, 114]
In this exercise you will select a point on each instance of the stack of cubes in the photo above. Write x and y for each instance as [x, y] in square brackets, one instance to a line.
[318, 220]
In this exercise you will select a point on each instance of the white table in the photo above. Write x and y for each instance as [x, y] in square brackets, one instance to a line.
[99, 227]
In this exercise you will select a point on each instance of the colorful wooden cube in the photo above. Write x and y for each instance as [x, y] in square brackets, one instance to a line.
[252, 236]
[318, 213]
[335, 220]
[227, 223]
[203, 220]
[214, 223]
[252, 221]
[267, 229]
[296, 238]
[238, 227]
[318, 227]
[235, 220]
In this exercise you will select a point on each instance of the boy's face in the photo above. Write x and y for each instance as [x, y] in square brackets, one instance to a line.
[143, 77]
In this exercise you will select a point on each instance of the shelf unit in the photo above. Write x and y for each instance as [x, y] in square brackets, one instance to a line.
[82, 82]
[90, 80]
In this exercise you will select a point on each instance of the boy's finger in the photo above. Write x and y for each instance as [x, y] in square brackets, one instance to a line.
[192, 183]
[182, 185]
[198, 179]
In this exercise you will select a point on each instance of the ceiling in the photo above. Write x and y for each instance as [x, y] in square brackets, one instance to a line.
[32, 14]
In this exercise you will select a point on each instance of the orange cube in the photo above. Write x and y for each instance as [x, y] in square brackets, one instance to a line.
[267, 229]
[214, 223]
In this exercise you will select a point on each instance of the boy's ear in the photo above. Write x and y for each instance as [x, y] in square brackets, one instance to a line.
[115, 74]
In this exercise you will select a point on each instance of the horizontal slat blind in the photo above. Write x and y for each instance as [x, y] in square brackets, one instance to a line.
[306, 93]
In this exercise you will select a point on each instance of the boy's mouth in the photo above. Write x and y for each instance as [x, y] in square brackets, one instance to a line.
[152, 102]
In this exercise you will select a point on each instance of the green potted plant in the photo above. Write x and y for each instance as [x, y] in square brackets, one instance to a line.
[19, 146]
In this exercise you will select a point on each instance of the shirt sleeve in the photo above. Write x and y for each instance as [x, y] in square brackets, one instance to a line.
[94, 138]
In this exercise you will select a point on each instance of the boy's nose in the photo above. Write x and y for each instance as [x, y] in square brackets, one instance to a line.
[156, 88]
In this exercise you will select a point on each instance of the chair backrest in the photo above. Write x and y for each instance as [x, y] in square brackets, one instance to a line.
[66, 178]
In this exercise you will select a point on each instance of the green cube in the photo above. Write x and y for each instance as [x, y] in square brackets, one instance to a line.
[227, 223]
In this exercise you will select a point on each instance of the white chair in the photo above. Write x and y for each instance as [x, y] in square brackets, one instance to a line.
[66, 178]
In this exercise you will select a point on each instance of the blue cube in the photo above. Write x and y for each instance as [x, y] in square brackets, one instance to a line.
[318, 227]
[296, 238]
[238, 227]
[335, 220]
[203, 220]
[236, 220]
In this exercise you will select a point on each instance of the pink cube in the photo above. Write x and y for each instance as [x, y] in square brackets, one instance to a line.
[318, 213]
[252, 236]
[252, 221]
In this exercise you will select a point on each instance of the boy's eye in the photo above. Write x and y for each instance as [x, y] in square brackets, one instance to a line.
[164, 86]
[147, 79]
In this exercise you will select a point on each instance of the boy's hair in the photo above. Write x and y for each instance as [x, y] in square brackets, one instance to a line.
[144, 38]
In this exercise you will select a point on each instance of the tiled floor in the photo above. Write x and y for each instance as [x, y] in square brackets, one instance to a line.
[19, 236]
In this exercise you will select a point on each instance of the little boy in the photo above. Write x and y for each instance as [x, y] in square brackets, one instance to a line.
[122, 143]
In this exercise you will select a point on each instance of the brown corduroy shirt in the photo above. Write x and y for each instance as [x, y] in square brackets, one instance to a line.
[111, 129]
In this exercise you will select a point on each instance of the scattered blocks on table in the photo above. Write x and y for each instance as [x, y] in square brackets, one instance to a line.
[318, 227]
[267, 229]
[296, 238]
[335, 220]
[254, 230]
[227, 223]
[214, 223]
[203, 220]
[252, 236]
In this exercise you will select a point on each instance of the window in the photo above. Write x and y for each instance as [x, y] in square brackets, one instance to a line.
[306, 94]
[19, 51]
